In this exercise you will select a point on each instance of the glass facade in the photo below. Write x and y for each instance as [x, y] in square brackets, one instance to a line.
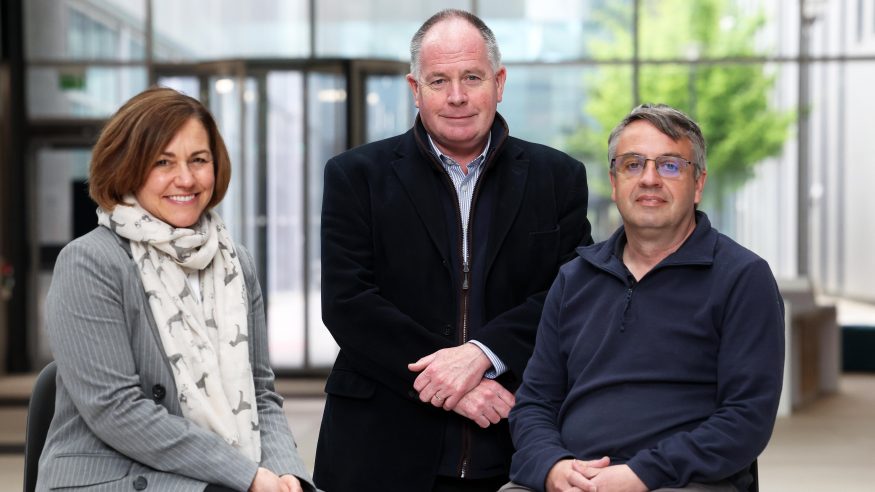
[326, 123]
[81, 91]
[65, 30]
[560, 30]
[226, 102]
[781, 94]
[389, 106]
[286, 218]
[840, 162]
[62, 211]
[372, 28]
[196, 30]
[84, 58]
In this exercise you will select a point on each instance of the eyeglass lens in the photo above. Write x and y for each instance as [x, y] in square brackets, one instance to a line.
[667, 166]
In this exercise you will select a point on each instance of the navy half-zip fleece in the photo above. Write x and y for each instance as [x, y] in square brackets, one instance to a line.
[677, 375]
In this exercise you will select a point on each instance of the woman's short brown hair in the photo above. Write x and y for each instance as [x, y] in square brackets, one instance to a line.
[134, 137]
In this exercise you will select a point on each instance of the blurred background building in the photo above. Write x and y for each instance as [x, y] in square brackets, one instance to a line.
[781, 87]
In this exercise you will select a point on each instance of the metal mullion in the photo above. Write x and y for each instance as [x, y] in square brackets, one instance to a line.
[85, 63]
[313, 24]
[308, 152]
[261, 177]
[149, 42]
[636, 54]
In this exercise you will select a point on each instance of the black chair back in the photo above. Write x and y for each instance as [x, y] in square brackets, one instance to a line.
[39, 416]
[754, 472]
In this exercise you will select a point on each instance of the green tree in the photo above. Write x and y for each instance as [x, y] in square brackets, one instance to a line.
[730, 100]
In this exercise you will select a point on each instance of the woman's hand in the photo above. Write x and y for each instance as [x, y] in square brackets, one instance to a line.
[292, 482]
[267, 481]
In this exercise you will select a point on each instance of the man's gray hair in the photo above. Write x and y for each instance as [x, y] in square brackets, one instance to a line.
[492, 51]
[669, 121]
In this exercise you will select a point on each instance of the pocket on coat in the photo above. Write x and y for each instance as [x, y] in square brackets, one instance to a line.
[81, 470]
[545, 242]
[349, 384]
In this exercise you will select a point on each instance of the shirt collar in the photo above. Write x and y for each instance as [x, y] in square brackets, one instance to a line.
[698, 249]
[452, 162]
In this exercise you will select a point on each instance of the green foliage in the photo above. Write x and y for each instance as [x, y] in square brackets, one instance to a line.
[730, 101]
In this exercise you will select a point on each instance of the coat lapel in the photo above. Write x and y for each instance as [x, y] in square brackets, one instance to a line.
[512, 174]
[421, 183]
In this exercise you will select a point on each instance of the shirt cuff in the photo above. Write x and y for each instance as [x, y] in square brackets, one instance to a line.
[498, 367]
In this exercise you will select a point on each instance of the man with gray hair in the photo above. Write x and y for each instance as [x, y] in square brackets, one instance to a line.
[659, 355]
[438, 247]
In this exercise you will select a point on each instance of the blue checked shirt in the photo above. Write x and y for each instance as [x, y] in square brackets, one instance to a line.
[464, 184]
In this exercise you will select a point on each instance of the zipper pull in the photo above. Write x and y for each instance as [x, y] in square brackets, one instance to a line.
[626, 308]
[465, 272]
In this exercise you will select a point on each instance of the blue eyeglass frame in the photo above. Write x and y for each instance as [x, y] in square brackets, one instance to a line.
[660, 162]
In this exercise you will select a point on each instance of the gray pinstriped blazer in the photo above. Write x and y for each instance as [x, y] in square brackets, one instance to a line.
[118, 424]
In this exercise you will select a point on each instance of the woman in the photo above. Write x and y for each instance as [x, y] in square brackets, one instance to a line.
[156, 322]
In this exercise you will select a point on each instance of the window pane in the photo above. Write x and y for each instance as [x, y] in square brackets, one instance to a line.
[81, 92]
[188, 85]
[572, 108]
[841, 28]
[847, 154]
[373, 28]
[326, 137]
[285, 218]
[213, 29]
[761, 214]
[544, 103]
[390, 109]
[61, 176]
[63, 211]
[225, 97]
[235, 109]
[554, 30]
[75, 30]
[680, 29]
[251, 171]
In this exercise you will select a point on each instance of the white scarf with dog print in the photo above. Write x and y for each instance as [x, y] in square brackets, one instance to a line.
[205, 334]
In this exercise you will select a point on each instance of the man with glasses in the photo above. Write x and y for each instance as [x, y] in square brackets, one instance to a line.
[438, 248]
[659, 356]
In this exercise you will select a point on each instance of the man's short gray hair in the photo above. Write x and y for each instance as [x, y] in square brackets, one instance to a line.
[492, 51]
[669, 121]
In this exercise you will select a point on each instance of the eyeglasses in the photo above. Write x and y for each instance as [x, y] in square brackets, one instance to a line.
[667, 166]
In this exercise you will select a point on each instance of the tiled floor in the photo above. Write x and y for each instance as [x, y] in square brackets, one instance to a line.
[827, 446]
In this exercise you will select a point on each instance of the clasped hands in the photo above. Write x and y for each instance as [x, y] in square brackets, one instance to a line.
[570, 475]
[452, 379]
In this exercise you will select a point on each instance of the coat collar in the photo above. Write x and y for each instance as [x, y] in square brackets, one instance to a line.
[419, 171]
[499, 134]
[698, 249]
